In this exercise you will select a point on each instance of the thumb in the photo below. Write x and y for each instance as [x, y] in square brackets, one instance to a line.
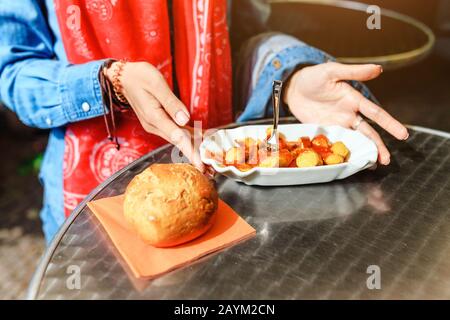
[160, 89]
[358, 72]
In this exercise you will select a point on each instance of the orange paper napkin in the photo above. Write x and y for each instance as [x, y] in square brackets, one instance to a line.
[146, 261]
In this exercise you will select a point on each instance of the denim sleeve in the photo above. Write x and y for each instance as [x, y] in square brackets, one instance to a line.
[41, 90]
[276, 59]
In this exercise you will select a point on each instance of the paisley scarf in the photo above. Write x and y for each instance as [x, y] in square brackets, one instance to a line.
[139, 30]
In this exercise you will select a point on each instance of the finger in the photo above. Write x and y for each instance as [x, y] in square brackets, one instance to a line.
[142, 106]
[187, 145]
[154, 119]
[153, 116]
[358, 72]
[179, 137]
[159, 88]
[210, 172]
[382, 118]
[384, 157]
[151, 128]
[183, 140]
[194, 158]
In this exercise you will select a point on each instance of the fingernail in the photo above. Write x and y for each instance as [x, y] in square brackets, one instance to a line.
[181, 118]
[407, 135]
[386, 160]
[381, 68]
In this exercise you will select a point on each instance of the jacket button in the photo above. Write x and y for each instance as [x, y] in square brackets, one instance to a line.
[276, 63]
[85, 106]
[48, 121]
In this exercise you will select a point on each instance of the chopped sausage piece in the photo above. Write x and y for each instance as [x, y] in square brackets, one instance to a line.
[292, 145]
[297, 151]
[305, 142]
[321, 141]
[244, 167]
[322, 151]
[285, 157]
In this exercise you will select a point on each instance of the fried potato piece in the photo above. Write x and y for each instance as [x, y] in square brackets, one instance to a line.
[282, 158]
[270, 162]
[320, 141]
[308, 158]
[341, 149]
[333, 158]
[250, 147]
[235, 156]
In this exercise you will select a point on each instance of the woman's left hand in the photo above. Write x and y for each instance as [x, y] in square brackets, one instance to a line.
[320, 94]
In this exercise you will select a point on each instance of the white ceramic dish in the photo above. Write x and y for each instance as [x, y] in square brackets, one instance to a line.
[363, 154]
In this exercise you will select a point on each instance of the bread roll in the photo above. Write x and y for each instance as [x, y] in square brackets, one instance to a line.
[169, 204]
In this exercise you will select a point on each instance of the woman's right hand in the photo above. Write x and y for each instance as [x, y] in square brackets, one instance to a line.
[159, 111]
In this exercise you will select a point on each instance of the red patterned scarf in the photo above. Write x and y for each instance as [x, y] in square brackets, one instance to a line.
[139, 30]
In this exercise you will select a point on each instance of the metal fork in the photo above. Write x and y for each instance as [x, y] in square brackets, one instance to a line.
[272, 142]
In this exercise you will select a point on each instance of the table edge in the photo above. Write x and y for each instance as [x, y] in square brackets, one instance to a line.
[36, 280]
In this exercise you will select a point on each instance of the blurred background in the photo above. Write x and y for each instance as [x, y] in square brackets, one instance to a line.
[415, 88]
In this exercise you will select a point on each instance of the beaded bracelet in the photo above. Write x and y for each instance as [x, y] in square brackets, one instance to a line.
[117, 85]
